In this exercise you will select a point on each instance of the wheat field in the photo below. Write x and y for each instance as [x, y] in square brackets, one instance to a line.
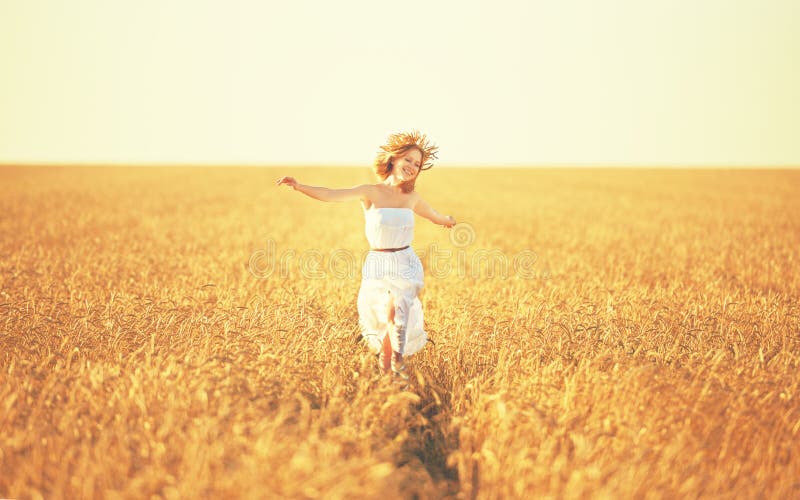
[191, 332]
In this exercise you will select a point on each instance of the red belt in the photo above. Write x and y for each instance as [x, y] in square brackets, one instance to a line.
[389, 249]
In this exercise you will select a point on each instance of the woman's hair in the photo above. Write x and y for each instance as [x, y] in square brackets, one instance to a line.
[397, 145]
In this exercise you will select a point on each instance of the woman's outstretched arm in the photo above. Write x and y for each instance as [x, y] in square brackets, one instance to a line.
[327, 194]
[422, 209]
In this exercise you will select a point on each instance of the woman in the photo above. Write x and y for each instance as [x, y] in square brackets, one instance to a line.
[389, 309]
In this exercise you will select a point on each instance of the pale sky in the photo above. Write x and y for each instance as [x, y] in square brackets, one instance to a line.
[629, 82]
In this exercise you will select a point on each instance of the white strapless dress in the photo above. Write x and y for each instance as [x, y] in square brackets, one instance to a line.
[391, 274]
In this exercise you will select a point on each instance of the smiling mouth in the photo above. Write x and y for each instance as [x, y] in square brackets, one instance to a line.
[408, 172]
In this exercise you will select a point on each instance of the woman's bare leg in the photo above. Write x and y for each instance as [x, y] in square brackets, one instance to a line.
[393, 342]
[386, 356]
[386, 353]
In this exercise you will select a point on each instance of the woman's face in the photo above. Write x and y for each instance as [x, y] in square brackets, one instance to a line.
[406, 166]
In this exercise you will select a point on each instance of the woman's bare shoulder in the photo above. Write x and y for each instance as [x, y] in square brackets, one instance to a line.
[371, 192]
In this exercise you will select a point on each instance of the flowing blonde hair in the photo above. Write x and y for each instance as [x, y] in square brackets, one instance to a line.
[397, 145]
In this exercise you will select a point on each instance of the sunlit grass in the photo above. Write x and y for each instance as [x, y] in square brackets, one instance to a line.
[652, 349]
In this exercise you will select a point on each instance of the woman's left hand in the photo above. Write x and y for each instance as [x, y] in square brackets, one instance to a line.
[450, 221]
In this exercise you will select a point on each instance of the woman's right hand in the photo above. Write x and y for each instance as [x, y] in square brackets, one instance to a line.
[289, 181]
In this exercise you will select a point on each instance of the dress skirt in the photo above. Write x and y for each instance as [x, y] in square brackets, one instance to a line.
[399, 276]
